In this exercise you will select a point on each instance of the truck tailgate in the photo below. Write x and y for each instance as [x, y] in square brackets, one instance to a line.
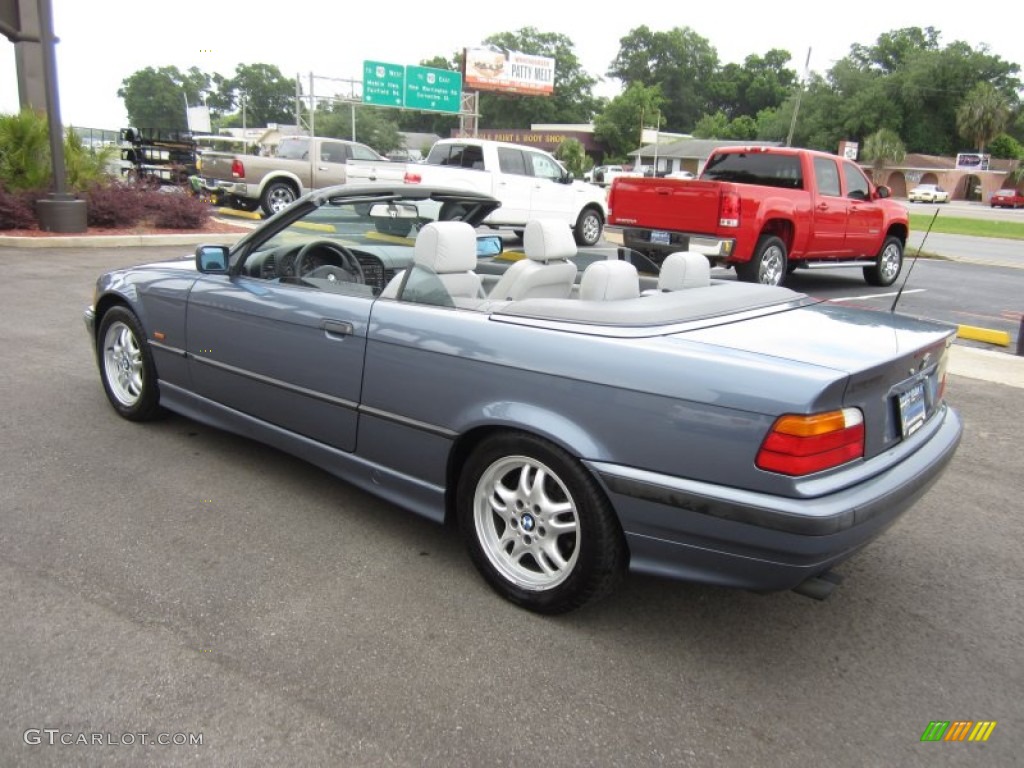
[681, 205]
[216, 165]
[361, 171]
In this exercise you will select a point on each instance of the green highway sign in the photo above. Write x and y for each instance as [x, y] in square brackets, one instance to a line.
[437, 90]
[383, 84]
[392, 85]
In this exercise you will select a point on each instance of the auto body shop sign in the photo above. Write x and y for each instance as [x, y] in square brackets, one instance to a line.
[510, 71]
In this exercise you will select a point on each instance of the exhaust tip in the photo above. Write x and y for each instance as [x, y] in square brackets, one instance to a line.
[819, 587]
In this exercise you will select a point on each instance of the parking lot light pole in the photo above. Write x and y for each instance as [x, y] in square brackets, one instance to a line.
[59, 211]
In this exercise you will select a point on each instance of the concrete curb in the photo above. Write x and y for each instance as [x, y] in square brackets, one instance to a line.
[986, 365]
[114, 241]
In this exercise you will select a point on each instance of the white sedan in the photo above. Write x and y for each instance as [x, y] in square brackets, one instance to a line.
[928, 193]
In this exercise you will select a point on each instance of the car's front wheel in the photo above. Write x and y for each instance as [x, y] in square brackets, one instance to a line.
[537, 526]
[126, 366]
[888, 263]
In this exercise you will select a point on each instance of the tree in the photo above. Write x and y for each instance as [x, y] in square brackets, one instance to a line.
[269, 96]
[719, 126]
[762, 82]
[883, 148]
[619, 123]
[680, 62]
[1006, 147]
[983, 115]
[155, 98]
[573, 100]
[374, 126]
[573, 157]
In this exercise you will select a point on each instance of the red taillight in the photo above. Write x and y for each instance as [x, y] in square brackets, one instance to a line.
[729, 210]
[411, 177]
[801, 445]
[237, 169]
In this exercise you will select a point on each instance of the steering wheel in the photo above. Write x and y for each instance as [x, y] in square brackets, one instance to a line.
[351, 269]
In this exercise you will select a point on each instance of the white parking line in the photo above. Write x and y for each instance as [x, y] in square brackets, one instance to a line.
[877, 295]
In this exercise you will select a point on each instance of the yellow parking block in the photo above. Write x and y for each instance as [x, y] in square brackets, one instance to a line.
[1002, 338]
[241, 214]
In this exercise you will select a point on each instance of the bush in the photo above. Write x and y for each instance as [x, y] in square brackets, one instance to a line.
[115, 204]
[178, 210]
[17, 210]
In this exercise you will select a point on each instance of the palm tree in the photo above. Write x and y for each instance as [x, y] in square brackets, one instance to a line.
[983, 115]
[883, 148]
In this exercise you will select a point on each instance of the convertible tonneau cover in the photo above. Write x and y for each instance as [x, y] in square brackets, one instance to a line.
[657, 309]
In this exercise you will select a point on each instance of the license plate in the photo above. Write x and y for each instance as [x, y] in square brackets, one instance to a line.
[664, 238]
[912, 409]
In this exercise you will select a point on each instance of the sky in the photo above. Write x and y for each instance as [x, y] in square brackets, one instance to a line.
[103, 42]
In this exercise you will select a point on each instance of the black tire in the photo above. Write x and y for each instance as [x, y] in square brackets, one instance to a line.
[589, 227]
[519, 234]
[888, 263]
[544, 559]
[126, 366]
[768, 265]
[277, 196]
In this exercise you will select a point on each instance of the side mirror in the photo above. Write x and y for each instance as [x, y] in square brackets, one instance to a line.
[212, 259]
[883, 192]
[489, 245]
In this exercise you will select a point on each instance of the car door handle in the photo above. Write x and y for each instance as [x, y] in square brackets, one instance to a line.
[322, 168]
[338, 327]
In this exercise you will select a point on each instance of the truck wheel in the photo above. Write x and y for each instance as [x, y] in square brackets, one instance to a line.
[588, 227]
[887, 265]
[276, 197]
[768, 265]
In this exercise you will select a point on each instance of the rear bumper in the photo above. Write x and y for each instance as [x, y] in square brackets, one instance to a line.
[730, 537]
[239, 189]
[718, 249]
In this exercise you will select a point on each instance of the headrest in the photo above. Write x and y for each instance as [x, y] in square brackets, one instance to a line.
[684, 269]
[546, 239]
[610, 281]
[446, 247]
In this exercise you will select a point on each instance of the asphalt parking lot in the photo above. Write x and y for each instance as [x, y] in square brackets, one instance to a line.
[170, 579]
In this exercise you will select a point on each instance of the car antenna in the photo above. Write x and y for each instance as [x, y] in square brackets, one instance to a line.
[920, 245]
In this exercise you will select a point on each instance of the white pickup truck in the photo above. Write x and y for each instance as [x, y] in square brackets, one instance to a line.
[529, 182]
[302, 163]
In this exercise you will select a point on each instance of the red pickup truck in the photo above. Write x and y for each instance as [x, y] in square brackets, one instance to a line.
[767, 211]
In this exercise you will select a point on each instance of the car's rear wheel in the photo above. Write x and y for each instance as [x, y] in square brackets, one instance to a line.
[277, 196]
[888, 263]
[126, 366]
[589, 227]
[768, 265]
[537, 526]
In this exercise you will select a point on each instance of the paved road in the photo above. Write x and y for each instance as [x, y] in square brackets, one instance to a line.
[171, 578]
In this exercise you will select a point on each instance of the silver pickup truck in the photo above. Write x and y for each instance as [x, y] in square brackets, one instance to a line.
[302, 163]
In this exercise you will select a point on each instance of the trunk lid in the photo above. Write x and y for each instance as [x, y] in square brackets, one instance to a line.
[896, 371]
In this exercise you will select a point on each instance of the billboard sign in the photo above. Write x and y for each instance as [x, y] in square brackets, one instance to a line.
[509, 71]
[972, 161]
